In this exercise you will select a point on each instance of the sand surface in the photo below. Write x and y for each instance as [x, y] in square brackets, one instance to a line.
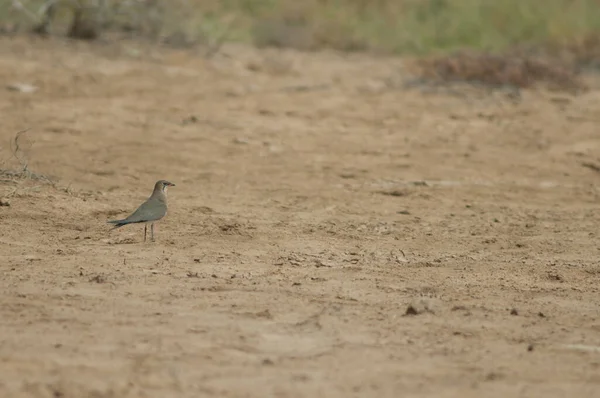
[331, 233]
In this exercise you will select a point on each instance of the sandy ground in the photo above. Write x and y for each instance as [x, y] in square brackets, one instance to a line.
[331, 234]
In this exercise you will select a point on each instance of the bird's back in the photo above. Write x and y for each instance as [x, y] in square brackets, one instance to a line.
[151, 210]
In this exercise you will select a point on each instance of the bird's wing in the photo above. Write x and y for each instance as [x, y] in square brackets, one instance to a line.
[150, 210]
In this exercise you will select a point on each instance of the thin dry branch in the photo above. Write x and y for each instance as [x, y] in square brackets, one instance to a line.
[19, 154]
[510, 69]
[15, 148]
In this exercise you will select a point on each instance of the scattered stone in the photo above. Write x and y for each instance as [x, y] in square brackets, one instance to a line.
[241, 141]
[394, 192]
[4, 202]
[264, 314]
[420, 183]
[189, 120]
[555, 276]
[582, 347]
[320, 263]
[411, 310]
[119, 241]
[22, 88]
[419, 307]
[98, 279]
[493, 376]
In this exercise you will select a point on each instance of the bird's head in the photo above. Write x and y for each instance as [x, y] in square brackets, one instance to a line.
[162, 185]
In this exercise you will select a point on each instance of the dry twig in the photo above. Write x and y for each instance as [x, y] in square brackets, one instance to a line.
[18, 153]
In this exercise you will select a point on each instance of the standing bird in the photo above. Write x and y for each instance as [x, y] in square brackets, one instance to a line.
[152, 210]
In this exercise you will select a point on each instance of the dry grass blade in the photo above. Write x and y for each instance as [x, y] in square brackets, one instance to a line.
[217, 43]
[18, 5]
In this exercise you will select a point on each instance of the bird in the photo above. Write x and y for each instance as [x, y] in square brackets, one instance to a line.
[152, 210]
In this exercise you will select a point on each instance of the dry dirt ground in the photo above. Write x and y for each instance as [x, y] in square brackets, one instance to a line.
[331, 234]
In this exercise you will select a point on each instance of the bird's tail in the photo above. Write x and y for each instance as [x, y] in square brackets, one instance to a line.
[118, 223]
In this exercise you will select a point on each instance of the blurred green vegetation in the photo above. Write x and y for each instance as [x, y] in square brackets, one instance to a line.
[385, 26]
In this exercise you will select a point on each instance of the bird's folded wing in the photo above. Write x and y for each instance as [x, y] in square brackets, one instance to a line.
[150, 210]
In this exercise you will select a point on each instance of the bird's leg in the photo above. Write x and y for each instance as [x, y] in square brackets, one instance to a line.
[145, 227]
[152, 231]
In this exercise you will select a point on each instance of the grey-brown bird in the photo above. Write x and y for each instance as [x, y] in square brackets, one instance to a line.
[152, 210]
